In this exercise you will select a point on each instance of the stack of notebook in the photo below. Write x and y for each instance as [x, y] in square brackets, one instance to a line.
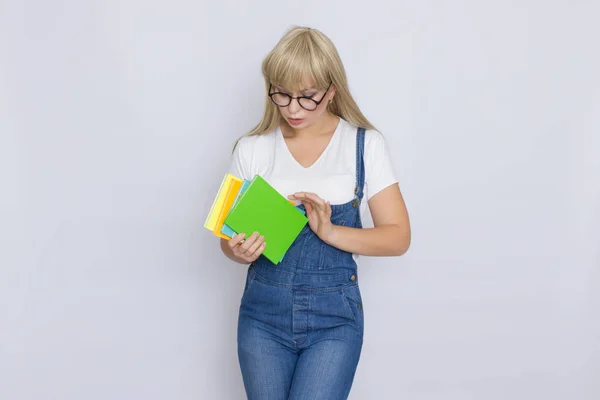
[243, 206]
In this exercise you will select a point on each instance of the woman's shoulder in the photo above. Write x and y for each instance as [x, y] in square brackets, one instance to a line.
[251, 154]
[251, 143]
[373, 137]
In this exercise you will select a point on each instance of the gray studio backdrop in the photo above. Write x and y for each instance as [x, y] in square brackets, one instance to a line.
[117, 119]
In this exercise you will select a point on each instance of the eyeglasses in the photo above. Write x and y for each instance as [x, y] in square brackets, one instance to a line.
[306, 102]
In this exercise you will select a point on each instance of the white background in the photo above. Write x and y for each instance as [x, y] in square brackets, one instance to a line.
[117, 119]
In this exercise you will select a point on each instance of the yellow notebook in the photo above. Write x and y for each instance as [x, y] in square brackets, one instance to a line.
[234, 187]
[215, 210]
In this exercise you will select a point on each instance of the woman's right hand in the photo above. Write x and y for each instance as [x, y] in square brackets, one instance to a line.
[247, 251]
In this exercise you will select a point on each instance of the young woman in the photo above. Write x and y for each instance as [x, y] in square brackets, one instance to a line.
[301, 323]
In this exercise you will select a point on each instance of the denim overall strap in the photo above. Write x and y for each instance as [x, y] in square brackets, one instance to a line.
[360, 166]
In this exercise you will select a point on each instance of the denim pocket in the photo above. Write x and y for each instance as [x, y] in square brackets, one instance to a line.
[353, 300]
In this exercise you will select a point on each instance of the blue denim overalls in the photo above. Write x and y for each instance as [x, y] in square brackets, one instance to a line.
[300, 327]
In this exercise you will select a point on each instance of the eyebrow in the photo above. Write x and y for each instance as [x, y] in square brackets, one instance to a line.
[301, 91]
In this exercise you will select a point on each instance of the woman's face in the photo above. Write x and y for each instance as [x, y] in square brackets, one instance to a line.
[297, 116]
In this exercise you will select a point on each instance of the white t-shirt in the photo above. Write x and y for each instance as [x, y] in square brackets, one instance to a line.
[332, 177]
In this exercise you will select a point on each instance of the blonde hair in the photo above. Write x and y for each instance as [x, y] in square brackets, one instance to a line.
[303, 54]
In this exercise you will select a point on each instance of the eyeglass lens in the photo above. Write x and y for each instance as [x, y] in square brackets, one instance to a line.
[283, 100]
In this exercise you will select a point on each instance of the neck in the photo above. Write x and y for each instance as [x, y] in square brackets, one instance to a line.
[325, 124]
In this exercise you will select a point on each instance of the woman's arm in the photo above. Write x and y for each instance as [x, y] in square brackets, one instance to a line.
[390, 236]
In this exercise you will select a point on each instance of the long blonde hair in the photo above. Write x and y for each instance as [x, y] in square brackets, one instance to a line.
[306, 53]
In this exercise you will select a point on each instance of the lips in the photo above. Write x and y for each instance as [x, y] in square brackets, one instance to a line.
[295, 121]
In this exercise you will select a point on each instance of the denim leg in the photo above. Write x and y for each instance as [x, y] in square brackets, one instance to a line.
[266, 360]
[326, 369]
[267, 366]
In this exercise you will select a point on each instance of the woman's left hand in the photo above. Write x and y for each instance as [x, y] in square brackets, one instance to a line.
[318, 212]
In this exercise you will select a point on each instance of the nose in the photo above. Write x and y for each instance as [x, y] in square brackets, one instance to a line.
[294, 106]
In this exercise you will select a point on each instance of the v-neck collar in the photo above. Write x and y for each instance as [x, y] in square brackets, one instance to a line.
[333, 138]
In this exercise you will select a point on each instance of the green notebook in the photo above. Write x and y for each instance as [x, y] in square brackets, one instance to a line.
[264, 210]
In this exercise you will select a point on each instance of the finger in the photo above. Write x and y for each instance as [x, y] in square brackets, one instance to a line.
[325, 208]
[259, 250]
[235, 240]
[298, 196]
[255, 246]
[315, 208]
[310, 198]
[308, 206]
[316, 199]
[248, 242]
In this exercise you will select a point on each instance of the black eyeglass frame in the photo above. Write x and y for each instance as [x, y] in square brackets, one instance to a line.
[298, 98]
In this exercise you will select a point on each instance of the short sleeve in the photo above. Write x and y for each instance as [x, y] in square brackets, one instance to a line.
[240, 162]
[379, 170]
